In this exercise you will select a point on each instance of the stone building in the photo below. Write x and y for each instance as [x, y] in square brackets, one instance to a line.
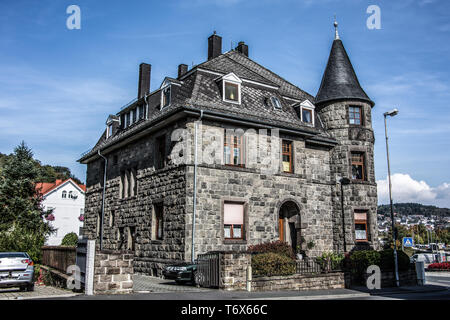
[251, 156]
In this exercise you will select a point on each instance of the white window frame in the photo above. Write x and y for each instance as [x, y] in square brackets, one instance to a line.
[168, 86]
[278, 105]
[307, 105]
[232, 79]
[109, 129]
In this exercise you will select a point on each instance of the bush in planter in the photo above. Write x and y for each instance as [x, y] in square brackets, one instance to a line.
[278, 247]
[387, 260]
[70, 239]
[272, 264]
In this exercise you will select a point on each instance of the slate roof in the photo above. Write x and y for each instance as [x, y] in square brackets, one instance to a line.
[339, 79]
[199, 89]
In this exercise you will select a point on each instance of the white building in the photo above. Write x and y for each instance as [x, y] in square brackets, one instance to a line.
[66, 198]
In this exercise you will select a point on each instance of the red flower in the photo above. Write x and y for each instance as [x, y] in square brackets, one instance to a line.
[81, 217]
[50, 217]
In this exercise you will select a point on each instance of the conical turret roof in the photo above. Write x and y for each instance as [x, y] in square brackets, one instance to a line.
[339, 80]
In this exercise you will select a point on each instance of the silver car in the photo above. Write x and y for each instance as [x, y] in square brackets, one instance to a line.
[16, 270]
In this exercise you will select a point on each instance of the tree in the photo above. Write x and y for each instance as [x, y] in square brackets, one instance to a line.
[22, 225]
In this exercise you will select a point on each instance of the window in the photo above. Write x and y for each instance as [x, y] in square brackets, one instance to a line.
[111, 219]
[354, 115]
[160, 154]
[233, 150]
[233, 220]
[109, 131]
[128, 184]
[127, 119]
[141, 112]
[307, 115]
[98, 223]
[275, 102]
[286, 151]
[64, 194]
[158, 222]
[165, 97]
[70, 195]
[358, 166]
[231, 91]
[131, 238]
[361, 226]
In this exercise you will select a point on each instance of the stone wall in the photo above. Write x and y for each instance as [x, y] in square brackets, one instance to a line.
[335, 280]
[113, 272]
[406, 278]
[233, 276]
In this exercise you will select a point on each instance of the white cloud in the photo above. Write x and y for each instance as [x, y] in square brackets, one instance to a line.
[406, 189]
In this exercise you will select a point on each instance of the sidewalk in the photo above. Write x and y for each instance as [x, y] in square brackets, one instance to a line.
[401, 290]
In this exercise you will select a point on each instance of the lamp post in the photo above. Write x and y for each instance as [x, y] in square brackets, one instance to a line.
[343, 181]
[394, 236]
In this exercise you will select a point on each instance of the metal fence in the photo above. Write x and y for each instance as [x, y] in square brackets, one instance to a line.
[58, 257]
[208, 270]
[314, 266]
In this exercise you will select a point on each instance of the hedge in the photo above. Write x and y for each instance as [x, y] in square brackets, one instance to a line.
[272, 264]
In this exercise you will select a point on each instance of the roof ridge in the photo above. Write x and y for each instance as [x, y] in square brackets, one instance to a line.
[272, 73]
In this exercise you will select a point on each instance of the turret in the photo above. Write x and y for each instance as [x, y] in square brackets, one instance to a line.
[345, 109]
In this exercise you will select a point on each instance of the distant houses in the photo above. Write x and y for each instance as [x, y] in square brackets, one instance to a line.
[66, 198]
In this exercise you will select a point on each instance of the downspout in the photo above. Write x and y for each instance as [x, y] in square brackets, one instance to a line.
[195, 187]
[146, 106]
[103, 201]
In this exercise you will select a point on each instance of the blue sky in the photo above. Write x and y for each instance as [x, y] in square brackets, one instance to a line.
[57, 86]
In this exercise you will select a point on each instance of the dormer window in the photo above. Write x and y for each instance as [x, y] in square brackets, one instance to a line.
[231, 91]
[109, 130]
[165, 97]
[306, 112]
[231, 88]
[275, 102]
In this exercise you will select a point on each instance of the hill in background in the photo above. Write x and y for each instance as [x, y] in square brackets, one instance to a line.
[413, 209]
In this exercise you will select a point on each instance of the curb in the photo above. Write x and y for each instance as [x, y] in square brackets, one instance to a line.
[408, 291]
[43, 297]
[316, 297]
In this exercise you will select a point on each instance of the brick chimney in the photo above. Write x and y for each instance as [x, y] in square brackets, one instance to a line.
[144, 79]
[242, 48]
[182, 70]
[214, 46]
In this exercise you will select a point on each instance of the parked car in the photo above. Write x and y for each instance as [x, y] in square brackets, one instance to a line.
[181, 273]
[16, 270]
[427, 258]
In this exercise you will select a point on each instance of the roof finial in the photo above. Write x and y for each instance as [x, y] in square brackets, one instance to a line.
[336, 35]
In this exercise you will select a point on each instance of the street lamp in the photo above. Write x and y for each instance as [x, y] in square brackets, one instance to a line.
[394, 236]
[343, 181]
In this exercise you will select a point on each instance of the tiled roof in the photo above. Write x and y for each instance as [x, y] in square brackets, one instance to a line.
[45, 187]
[200, 90]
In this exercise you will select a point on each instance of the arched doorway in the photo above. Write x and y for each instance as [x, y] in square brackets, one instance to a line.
[289, 224]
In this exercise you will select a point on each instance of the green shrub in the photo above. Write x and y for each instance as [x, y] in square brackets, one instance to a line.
[272, 264]
[278, 247]
[70, 239]
[387, 260]
[22, 240]
[330, 260]
[359, 261]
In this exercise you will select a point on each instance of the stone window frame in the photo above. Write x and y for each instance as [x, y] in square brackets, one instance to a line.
[242, 148]
[365, 210]
[363, 116]
[158, 158]
[245, 231]
[363, 150]
[292, 142]
[153, 226]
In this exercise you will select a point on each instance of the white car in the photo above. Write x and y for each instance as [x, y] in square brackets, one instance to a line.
[16, 270]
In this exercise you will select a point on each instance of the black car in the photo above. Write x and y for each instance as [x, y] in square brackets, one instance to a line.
[181, 273]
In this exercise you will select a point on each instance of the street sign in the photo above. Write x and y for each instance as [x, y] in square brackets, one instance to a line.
[408, 242]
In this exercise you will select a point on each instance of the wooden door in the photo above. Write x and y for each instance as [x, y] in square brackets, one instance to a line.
[281, 228]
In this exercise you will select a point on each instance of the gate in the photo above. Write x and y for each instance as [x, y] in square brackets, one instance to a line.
[81, 255]
[208, 270]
